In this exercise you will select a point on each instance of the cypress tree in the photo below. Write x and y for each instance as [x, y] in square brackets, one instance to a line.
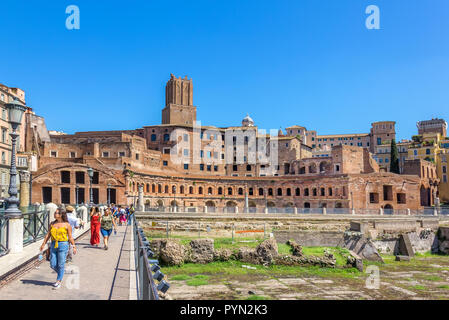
[394, 158]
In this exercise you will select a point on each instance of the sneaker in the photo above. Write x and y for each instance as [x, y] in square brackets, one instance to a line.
[105, 247]
[56, 285]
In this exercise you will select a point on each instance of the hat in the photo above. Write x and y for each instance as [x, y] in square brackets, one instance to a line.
[69, 209]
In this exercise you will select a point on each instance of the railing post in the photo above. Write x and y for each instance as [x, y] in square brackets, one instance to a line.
[408, 212]
[15, 235]
[295, 210]
[381, 211]
[324, 210]
[34, 226]
[205, 209]
[236, 209]
[353, 211]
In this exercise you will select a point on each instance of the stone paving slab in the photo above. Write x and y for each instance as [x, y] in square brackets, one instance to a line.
[93, 275]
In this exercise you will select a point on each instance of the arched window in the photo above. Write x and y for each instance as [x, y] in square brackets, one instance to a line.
[250, 191]
[230, 191]
[200, 190]
[181, 189]
[260, 191]
[306, 205]
[173, 189]
[166, 189]
[240, 191]
[279, 191]
[314, 192]
[191, 190]
[323, 192]
[166, 137]
[270, 191]
[209, 190]
[289, 192]
[297, 192]
[306, 192]
[312, 168]
[330, 192]
[153, 188]
[148, 187]
[159, 188]
[322, 167]
[220, 190]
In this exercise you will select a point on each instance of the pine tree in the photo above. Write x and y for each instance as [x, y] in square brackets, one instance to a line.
[394, 158]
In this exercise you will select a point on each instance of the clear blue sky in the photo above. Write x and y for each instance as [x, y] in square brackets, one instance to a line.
[305, 62]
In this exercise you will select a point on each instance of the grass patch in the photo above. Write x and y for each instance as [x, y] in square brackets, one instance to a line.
[256, 297]
[198, 280]
[340, 254]
[432, 278]
[443, 286]
[233, 267]
[418, 287]
[427, 254]
[284, 249]
[180, 277]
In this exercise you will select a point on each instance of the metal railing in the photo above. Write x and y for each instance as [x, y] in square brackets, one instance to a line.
[3, 235]
[147, 289]
[35, 224]
[427, 211]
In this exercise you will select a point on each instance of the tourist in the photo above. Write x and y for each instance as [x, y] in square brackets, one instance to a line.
[95, 226]
[130, 215]
[107, 222]
[123, 217]
[61, 234]
[116, 214]
[75, 223]
[121, 212]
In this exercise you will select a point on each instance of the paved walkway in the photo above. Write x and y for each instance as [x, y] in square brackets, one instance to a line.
[97, 274]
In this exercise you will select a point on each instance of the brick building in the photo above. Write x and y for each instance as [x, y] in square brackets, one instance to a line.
[179, 163]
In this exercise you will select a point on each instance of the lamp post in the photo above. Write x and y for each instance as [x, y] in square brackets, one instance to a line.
[16, 110]
[90, 173]
[76, 195]
[109, 194]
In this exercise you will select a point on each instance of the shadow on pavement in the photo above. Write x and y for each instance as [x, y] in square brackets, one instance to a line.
[37, 282]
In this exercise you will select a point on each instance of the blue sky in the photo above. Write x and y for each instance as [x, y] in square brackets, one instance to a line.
[305, 62]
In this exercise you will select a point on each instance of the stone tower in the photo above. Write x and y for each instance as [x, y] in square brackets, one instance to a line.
[179, 108]
[382, 133]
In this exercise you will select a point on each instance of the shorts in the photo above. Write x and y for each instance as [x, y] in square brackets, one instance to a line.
[105, 233]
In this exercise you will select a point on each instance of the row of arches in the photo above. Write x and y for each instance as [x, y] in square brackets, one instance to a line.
[251, 204]
[311, 168]
[322, 191]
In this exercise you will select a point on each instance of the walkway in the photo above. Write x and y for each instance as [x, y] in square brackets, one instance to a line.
[97, 274]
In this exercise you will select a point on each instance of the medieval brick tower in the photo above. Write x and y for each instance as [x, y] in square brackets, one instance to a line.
[179, 108]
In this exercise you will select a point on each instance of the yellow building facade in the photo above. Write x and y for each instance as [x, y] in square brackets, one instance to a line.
[434, 148]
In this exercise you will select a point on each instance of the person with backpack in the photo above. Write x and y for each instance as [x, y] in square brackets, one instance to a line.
[107, 222]
[75, 223]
